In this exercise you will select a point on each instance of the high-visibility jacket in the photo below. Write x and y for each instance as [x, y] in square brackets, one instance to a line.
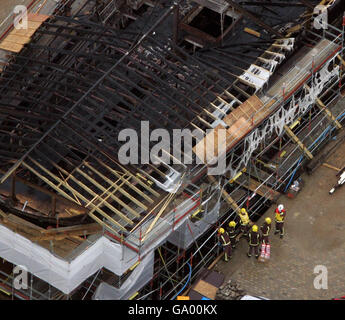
[280, 216]
[225, 239]
[244, 218]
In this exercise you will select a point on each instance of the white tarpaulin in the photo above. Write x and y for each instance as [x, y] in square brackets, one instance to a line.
[258, 76]
[62, 274]
[276, 122]
[140, 276]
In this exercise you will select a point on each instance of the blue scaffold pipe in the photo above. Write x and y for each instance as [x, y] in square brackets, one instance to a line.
[189, 276]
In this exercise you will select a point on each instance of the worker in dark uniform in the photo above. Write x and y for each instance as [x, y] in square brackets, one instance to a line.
[265, 231]
[232, 233]
[280, 214]
[225, 241]
[254, 241]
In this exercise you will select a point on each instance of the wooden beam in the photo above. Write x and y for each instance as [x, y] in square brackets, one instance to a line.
[165, 205]
[328, 112]
[226, 196]
[321, 105]
[257, 187]
[67, 186]
[341, 59]
[65, 232]
[84, 187]
[254, 18]
[125, 180]
[252, 32]
[298, 141]
[331, 167]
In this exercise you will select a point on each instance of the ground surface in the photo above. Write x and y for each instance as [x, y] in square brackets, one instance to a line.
[315, 226]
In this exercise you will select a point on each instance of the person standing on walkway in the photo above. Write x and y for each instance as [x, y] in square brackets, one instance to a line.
[254, 241]
[280, 214]
[225, 241]
[232, 233]
[244, 222]
[265, 231]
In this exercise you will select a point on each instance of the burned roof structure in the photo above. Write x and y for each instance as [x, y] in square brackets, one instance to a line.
[94, 69]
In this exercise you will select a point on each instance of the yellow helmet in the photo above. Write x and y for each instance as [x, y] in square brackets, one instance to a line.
[255, 228]
[268, 220]
[221, 230]
[243, 210]
[232, 224]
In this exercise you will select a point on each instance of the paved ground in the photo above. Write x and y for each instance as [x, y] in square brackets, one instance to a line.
[315, 235]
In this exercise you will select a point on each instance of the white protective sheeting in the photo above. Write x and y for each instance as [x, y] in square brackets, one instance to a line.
[189, 231]
[62, 274]
[284, 116]
[68, 275]
[258, 76]
[140, 276]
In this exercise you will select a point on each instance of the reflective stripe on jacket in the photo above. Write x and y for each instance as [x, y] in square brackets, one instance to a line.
[232, 232]
[254, 238]
[225, 239]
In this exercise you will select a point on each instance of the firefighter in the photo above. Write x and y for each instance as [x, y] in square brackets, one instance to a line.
[225, 241]
[254, 241]
[265, 231]
[280, 214]
[244, 222]
[232, 233]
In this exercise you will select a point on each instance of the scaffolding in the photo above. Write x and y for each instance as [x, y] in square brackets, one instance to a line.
[157, 224]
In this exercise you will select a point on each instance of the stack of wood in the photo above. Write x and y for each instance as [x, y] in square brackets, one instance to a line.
[230, 291]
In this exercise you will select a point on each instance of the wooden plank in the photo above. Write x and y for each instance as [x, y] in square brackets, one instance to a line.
[34, 24]
[298, 141]
[321, 105]
[10, 46]
[91, 227]
[252, 32]
[37, 17]
[328, 112]
[23, 32]
[225, 195]
[18, 39]
[15, 219]
[105, 191]
[206, 289]
[65, 232]
[331, 167]
[131, 185]
[67, 186]
[125, 193]
[83, 186]
[258, 187]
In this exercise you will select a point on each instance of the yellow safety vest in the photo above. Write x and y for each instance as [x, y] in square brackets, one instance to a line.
[279, 217]
[244, 219]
